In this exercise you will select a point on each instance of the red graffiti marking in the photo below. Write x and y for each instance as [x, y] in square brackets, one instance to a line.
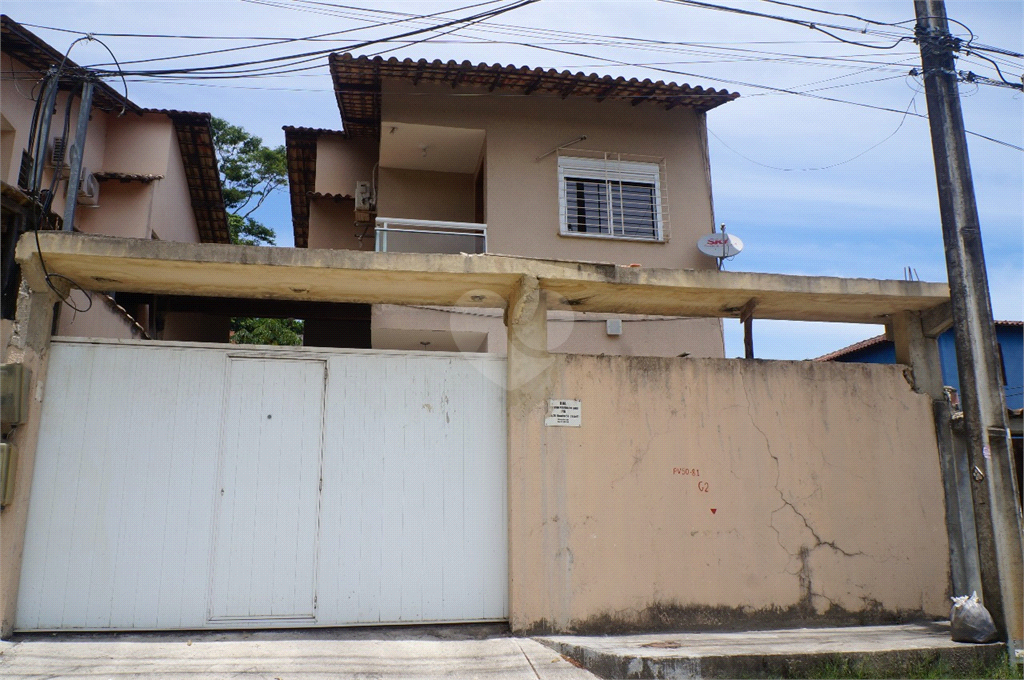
[702, 486]
[693, 472]
[714, 510]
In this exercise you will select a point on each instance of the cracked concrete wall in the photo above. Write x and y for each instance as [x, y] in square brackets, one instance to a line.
[711, 492]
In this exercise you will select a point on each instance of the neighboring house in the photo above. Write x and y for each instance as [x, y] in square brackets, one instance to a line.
[1009, 335]
[146, 173]
[439, 157]
[1010, 339]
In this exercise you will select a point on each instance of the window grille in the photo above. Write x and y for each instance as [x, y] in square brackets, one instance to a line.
[611, 197]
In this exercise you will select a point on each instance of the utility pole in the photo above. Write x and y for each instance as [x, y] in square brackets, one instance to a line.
[996, 504]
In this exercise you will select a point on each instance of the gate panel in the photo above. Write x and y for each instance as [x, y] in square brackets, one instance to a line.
[415, 481]
[164, 497]
[266, 520]
[122, 495]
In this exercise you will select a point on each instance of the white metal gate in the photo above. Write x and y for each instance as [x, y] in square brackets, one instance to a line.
[183, 485]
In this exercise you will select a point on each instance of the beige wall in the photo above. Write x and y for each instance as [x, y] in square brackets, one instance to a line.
[101, 321]
[124, 209]
[172, 218]
[341, 162]
[15, 88]
[139, 144]
[482, 330]
[332, 226]
[422, 195]
[823, 478]
[522, 193]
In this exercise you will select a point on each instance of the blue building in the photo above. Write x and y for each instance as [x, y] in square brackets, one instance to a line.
[1009, 334]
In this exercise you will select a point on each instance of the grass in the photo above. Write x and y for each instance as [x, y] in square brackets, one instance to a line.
[937, 668]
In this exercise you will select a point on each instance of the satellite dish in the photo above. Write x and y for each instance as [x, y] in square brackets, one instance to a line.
[720, 244]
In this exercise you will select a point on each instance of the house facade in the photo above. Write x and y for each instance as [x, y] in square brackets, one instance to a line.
[360, 480]
[146, 173]
[458, 158]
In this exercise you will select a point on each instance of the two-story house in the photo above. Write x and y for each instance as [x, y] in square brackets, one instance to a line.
[146, 173]
[447, 157]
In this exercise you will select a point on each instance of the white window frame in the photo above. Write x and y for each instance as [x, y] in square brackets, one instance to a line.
[610, 171]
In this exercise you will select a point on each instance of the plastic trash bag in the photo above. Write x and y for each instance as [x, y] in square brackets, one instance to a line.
[969, 621]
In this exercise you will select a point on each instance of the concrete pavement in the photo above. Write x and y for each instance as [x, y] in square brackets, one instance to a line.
[480, 651]
[888, 650]
[471, 651]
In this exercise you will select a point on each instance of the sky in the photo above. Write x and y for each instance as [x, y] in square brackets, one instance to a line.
[811, 186]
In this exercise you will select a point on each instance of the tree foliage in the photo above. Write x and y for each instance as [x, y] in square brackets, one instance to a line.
[249, 173]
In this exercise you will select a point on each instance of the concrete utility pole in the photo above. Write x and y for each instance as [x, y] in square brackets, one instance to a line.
[996, 505]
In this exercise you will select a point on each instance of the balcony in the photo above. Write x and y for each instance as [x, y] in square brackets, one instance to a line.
[429, 236]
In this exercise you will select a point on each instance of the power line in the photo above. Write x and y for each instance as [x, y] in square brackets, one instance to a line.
[319, 53]
[824, 167]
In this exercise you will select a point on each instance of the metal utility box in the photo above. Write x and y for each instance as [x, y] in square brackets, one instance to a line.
[13, 395]
[8, 465]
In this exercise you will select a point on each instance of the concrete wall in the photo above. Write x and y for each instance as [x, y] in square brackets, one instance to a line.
[521, 206]
[714, 492]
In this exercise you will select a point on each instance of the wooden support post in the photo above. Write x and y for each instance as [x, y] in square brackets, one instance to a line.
[747, 318]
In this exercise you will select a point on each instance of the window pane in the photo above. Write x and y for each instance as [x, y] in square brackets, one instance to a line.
[635, 210]
[586, 206]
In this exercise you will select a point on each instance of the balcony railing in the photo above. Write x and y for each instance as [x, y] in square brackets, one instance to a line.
[429, 236]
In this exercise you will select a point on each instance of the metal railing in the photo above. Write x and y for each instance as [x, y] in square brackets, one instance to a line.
[397, 235]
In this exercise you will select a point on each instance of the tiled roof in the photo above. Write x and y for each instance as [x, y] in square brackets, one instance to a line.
[856, 347]
[31, 50]
[357, 82]
[879, 339]
[300, 145]
[195, 139]
[313, 131]
[126, 177]
[334, 197]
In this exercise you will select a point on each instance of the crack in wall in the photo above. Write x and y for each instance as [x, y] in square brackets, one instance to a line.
[818, 542]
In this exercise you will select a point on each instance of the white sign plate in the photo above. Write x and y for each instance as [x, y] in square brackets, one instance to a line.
[564, 413]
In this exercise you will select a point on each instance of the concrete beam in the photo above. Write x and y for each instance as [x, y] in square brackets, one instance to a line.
[163, 267]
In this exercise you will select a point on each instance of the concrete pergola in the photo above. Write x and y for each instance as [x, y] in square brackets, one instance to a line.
[163, 267]
[914, 313]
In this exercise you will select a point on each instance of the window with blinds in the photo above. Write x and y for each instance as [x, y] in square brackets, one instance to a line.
[610, 198]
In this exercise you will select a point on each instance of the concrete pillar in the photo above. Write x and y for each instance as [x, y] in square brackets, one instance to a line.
[921, 353]
[527, 389]
[29, 346]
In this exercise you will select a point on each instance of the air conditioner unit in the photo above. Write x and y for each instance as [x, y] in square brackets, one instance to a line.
[58, 153]
[88, 189]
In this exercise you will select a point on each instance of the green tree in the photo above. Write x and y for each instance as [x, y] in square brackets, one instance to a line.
[249, 173]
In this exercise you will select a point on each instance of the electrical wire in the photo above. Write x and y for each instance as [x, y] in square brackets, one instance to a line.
[824, 167]
[319, 53]
[799, 22]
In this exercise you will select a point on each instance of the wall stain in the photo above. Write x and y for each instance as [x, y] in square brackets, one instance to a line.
[672, 616]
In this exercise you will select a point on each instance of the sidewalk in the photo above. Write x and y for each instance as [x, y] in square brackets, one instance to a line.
[470, 651]
[770, 653]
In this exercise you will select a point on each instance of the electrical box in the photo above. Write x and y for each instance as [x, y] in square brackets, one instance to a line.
[614, 326]
[8, 460]
[364, 196]
[13, 395]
